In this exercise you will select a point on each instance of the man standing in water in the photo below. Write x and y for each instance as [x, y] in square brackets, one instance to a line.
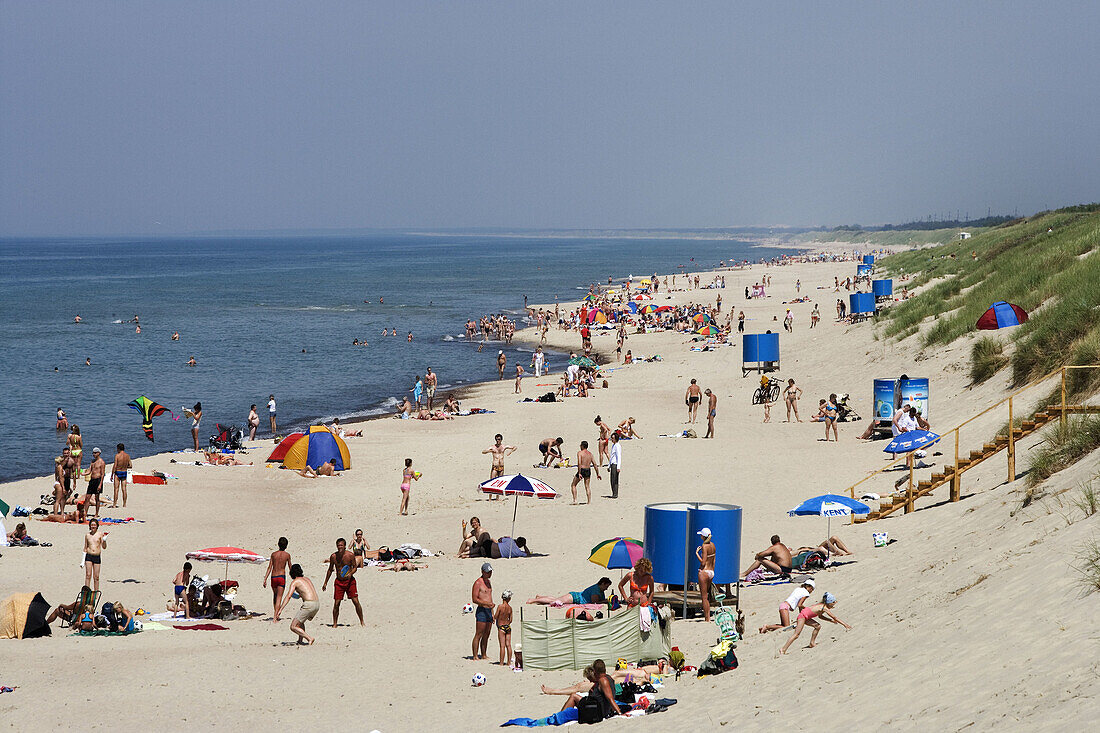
[482, 597]
[585, 464]
[431, 381]
[344, 563]
[311, 604]
[276, 569]
[95, 542]
[692, 397]
[707, 555]
[502, 361]
[96, 472]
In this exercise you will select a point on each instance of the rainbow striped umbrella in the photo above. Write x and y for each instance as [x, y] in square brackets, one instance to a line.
[647, 309]
[701, 318]
[708, 330]
[618, 553]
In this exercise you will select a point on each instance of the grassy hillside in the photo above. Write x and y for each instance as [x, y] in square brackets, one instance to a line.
[1048, 264]
[893, 237]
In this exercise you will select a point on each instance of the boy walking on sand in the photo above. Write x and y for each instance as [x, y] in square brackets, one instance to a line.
[311, 604]
[503, 618]
[276, 569]
[585, 464]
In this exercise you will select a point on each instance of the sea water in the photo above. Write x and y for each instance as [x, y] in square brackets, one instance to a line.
[273, 315]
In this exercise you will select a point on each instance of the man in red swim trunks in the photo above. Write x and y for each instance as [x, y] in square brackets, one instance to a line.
[276, 568]
[344, 562]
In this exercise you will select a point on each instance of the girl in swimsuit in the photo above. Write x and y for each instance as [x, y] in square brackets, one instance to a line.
[407, 477]
[791, 396]
[809, 614]
[76, 446]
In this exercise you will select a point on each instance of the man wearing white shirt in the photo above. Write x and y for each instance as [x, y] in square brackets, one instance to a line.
[902, 423]
[614, 463]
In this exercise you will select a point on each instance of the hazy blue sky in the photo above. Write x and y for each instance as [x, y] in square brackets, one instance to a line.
[120, 117]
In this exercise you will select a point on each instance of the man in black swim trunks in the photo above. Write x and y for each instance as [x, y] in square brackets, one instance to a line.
[551, 451]
[776, 558]
[96, 472]
[691, 399]
[585, 464]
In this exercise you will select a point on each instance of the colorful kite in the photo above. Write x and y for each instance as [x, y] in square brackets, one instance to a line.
[148, 410]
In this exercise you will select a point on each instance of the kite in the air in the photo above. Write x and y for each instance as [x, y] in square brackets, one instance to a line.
[148, 410]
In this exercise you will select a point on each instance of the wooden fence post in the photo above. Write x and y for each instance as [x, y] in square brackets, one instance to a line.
[1062, 418]
[1011, 445]
[956, 483]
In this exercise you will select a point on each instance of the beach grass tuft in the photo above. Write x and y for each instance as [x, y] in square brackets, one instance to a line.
[1088, 499]
[1066, 444]
[987, 357]
[1088, 567]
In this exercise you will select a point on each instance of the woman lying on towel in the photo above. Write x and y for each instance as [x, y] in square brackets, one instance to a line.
[619, 676]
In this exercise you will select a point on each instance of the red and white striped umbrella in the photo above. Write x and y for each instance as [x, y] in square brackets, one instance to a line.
[517, 485]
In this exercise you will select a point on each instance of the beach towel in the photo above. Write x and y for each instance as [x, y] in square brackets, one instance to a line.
[6, 689]
[569, 715]
[127, 520]
[202, 627]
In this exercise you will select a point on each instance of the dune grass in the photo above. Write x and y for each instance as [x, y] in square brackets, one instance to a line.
[987, 357]
[1048, 264]
[1065, 445]
[1088, 567]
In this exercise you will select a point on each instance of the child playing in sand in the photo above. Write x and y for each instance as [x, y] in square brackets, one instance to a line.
[503, 617]
[808, 615]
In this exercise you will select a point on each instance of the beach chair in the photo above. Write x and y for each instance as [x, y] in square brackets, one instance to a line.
[83, 600]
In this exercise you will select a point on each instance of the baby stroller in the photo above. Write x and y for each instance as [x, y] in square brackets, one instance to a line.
[845, 413]
[227, 438]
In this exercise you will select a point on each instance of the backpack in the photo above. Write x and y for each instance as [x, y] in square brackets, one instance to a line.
[589, 710]
[814, 561]
[384, 554]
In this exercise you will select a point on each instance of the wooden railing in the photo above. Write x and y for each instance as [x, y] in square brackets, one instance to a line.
[957, 469]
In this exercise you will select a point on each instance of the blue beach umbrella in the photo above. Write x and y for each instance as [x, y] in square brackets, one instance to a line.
[911, 441]
[632, 307]
[829, 506]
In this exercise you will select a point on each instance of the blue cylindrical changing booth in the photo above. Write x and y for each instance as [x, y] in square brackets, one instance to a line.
[862, 270]
[882, 288]
[868, 259]
[861, 303]
[671, 538]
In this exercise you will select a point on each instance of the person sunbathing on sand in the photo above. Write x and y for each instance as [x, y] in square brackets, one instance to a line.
[218, 459]
[809, 614]
[404, 409]
[620, 676]
[470, 536]
[626, 429]
[451, 405]
[592, 594]
[641, 584]
[328, 468]
[404, 565]
[342, 432]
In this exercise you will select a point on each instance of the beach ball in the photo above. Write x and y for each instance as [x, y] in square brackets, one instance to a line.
[468, 608]
[479, 679]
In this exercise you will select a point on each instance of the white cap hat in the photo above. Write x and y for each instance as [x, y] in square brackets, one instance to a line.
[704, 532]
[809, 582]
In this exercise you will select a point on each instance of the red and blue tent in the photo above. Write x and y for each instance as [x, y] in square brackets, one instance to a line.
[1002, 315]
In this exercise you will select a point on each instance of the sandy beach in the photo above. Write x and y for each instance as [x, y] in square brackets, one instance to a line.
[968, 620]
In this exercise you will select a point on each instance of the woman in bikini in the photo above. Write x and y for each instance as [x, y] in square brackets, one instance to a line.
[809, 614]
[76, 448]
[830, 418]
[641, 584]
[790, 396]
[407, 477]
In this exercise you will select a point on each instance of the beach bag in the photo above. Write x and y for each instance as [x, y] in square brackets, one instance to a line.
[589, 710]
[108, 612]
[399, 554]
[384, 554]
[814, 561]
[881, 539]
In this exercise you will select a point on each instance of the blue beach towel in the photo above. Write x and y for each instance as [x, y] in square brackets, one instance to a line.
[568, 715]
